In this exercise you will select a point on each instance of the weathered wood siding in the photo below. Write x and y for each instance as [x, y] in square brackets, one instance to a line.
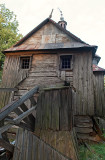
[48, 34]
[99, 98]
[54, 120]
[12, 75]
[45, 72]
[54, 110]
[30, 147]
[83, 99]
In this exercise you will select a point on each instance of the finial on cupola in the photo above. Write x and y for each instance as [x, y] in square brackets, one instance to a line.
[50, 16]
[62, 22]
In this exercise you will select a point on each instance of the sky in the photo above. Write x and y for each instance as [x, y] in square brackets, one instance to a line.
[85, 18]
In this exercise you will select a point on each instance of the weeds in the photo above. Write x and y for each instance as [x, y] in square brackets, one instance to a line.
[97, 152]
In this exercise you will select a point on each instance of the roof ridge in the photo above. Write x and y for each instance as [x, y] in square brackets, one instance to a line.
[30, 33]
[19, 47]
[43, 23]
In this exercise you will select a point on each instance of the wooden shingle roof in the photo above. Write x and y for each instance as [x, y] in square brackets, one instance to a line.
[20, 46]
[98, 69]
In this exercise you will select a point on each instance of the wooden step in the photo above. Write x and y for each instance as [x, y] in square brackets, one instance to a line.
[82, 119]
[94, 138]
[84, 125]
[83, 130]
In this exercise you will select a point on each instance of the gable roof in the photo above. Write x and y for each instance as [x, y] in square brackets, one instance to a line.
[19, 46]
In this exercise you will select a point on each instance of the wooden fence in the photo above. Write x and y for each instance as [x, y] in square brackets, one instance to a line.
[30, 147]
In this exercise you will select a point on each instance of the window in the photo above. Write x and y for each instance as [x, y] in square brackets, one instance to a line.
[66, 62]
[25, 62]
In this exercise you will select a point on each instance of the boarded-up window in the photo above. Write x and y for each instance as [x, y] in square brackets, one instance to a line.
[25, 62]
[66, 62]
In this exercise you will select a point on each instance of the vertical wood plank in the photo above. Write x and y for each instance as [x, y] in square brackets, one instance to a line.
[29, 145]
[64, 110]
[90, 86]
[55, 110]
[17, 151]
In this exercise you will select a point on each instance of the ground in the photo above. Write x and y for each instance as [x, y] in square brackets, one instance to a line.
[93, 152]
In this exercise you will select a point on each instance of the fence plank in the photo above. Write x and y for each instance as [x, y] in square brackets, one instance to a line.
[54, 110]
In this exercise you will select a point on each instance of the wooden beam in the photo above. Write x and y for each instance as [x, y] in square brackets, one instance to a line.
[33, 102]
[18, 103]
[21, 124]
[24, 114]
[7, 106]
[5, 128]
[25, 108]
[97, 128]
[6, 145]
[17, 120]
[8, 89]
[19, 112]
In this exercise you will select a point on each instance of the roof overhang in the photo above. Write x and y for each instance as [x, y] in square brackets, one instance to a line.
[83, 48]
[19, 46]
[97, 69]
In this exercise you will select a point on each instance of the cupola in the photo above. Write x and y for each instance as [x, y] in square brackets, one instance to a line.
[62, 22]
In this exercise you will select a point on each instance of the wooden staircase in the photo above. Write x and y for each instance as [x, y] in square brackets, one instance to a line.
[25, 118]
[85, 129]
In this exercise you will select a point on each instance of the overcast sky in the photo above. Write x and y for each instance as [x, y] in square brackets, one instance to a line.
[85, 18]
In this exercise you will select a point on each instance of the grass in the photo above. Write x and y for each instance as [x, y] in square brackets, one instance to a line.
[96, 152]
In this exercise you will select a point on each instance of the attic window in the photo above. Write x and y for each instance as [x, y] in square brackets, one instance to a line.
[25, 62]
[66, 62]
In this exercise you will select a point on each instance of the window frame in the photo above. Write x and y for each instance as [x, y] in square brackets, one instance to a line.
[30, 61]
[60, 62]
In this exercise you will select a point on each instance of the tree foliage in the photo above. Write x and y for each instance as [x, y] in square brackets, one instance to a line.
[8, 30]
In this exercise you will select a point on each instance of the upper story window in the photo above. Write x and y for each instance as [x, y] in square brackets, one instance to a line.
[25, 62]
[66, 62]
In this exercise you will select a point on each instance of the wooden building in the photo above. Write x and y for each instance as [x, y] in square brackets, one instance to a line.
[61, 65]
[51, 56]
[99, 98]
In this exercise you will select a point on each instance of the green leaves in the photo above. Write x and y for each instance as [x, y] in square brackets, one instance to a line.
[8, 30]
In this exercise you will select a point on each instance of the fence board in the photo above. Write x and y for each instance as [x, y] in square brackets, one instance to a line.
[54, 109]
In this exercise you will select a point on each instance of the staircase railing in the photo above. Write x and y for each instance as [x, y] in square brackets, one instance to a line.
[25, 118]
